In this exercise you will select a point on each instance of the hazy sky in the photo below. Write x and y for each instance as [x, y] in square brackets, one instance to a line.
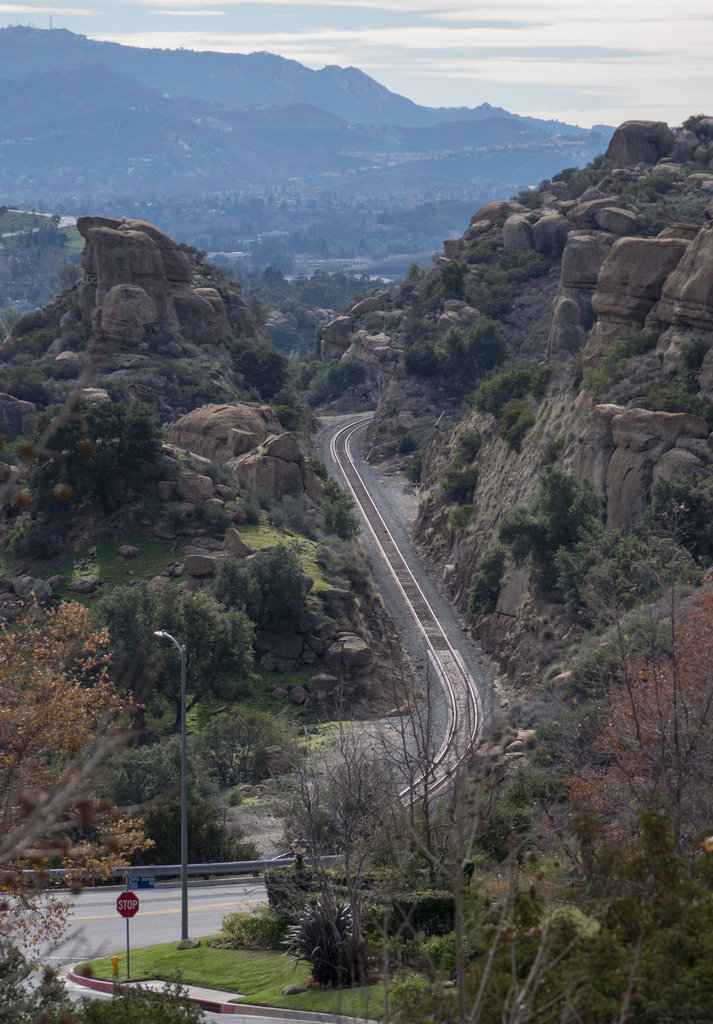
[583, 61]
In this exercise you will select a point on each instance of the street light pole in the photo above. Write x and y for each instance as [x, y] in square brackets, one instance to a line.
[185, 942]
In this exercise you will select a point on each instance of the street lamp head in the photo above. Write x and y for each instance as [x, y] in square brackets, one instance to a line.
[160, 632]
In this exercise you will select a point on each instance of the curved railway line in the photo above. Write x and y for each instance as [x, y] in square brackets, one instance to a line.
[459, 689]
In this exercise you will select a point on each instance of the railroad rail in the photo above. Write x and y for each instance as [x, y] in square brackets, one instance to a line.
[459, 689]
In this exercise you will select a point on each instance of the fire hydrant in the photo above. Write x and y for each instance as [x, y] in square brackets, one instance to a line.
[114, 965]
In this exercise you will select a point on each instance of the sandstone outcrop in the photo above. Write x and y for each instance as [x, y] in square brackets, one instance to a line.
[214, 431]
[636, 142]
[137, 281]
[687, 294]
[632, 447]
[13, 411]
[277, 468]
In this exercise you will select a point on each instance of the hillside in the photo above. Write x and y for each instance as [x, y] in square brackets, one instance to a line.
[140, 449]
[572, 324]
[548, 390]
[76, 113]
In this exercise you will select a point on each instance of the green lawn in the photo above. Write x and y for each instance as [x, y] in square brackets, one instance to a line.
[256, 977]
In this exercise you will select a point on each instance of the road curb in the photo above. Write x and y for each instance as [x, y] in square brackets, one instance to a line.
[215, 1006]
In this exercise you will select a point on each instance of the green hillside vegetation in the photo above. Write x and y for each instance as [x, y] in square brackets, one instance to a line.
[566, 875]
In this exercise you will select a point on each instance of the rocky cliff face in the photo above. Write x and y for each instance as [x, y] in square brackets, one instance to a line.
[137, 281]
[623, 253]
[149, 320]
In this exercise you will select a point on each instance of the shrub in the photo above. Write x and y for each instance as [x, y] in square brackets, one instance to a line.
[516, 419]
[459, 517]
[334, 378]
[430, 911]
[338, 511]
[496, 300]
[611, 367]
[516, 382]
[521, 266]
[468, 355]
[452, 278]
[458, 484]
[407, 443]
[288, 890]
[565, 511]
[205, 841]
[96, 444]
[692, 497]
[468, 444]
[486, 580]
[439, 953]
[414, 468]
[259, 929]
[653, 187]
[420, 360]
[667, 396]
[271, 588]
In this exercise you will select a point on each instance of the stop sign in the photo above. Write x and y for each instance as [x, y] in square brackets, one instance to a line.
[127, 904]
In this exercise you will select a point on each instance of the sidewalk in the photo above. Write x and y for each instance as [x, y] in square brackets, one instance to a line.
[219, 1002]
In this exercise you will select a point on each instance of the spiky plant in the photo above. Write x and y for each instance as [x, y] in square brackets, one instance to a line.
[323, 938]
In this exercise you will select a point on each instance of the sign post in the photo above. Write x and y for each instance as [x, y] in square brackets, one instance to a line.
[127, 905]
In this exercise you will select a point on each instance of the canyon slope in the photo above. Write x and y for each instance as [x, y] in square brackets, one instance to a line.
[565, 337]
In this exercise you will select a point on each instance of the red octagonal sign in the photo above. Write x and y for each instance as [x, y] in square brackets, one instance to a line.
[127, 904]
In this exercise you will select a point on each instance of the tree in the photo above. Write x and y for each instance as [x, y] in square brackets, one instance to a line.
[130, 614]
[97, 449]
[162, 824]
[271, 588]
[68, 275]
[564, 512]
[233, 746]
[59, 716]
[340, 808]
[468, 355]
[218, 644]
[218, 641]
[656, 736]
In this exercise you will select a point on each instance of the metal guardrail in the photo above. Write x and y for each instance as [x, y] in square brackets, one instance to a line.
[148, 871]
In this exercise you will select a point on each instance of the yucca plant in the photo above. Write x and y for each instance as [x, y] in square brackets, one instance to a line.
[323, 938]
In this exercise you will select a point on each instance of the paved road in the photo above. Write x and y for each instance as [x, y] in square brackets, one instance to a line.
[96, 929]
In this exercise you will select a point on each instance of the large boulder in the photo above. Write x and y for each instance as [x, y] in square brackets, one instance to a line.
[549, 233]
[625, 450]
[518, 235]
[633, 276]
[687, 295]
[209, 431]
[13, 411]
[195, 488]
[335, 338]
[638, 142]
[128, 314]
[137, 279]
[566, 333]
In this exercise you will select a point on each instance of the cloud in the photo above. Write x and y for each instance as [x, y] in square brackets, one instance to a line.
[69, 12]
[190, 13]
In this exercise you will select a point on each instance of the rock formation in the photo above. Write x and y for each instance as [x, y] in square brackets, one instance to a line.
[137, 281]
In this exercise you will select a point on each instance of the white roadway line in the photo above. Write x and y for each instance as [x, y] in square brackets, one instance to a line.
[449, 689]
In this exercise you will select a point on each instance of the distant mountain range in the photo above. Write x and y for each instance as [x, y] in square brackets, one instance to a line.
[83, 119]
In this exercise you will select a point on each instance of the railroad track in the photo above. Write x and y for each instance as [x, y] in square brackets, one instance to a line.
[459, 689]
